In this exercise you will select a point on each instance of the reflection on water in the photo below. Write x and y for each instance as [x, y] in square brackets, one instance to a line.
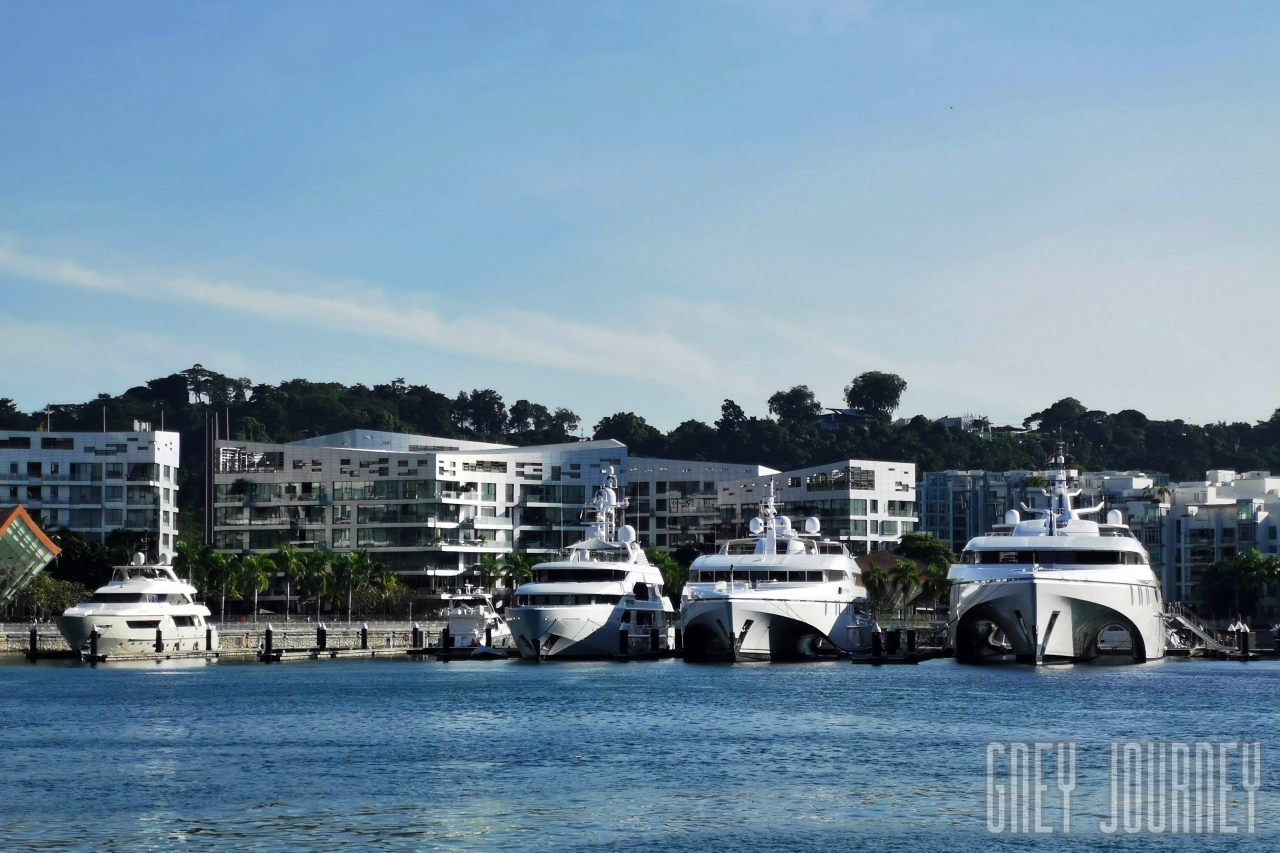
[510, 756]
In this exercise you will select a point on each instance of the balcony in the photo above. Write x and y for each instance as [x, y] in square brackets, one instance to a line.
[470, 497]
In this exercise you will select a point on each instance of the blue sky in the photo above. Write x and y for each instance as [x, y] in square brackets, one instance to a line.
[648, 206]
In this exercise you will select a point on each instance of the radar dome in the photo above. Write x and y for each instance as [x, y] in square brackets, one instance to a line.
[784, 524]
[755, 525]
[1115, 517]
[626, 533]
[1012, 517]
[812, 525]
[139, 559]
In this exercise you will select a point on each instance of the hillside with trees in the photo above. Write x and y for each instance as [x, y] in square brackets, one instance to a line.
[792, 435]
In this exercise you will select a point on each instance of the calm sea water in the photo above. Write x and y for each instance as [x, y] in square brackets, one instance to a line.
[666, 756]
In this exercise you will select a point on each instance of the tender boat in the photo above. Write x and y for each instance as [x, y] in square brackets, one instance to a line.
[473, 622]
[1046, 588]
[602, 598]
[145, 609]
[777, 595]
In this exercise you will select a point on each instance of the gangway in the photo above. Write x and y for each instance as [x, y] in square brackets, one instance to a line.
[1178, 616]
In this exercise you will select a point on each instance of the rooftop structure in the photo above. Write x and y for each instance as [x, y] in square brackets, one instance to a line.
[24, 551]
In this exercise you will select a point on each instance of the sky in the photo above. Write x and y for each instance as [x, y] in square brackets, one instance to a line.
[652, 206]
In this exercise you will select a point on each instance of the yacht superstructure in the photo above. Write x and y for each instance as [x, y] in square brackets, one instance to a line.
[143, 610]
[779, 594]
[1046, 587]
[602, 598]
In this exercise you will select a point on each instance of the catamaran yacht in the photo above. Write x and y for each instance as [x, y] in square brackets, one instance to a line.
[128, 611]
[473, 622]
[779, 594]
[602, 598]
[1047, 587]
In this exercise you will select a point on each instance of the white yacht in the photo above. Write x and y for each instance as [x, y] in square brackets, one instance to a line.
[473, 622]
[1047, 587]
[602, 598]
[127, 613]
[779, 594]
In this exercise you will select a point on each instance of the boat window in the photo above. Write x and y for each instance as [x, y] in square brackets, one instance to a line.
[601, 556]
[117, 597]
[644, 617]
[143, 623]
[577, 575]
[968, 557]
[184, 621]
[640, 591]
[1057, 557]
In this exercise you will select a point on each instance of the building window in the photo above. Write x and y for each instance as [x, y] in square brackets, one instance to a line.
[33, 469]
[793, 482]
[13, 493]
[660, 540]
[1271, 533]
[875, 506]
[488, 491]
[164, 518]
[166, 496]
[113, 517]
[164, 540]
[660, 504]
[511, 493]
[33, 493]
[167, 473]
[115, 494]
[115, 470]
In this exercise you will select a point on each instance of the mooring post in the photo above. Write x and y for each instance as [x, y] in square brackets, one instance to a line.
[653, 640]
[1244, 644]
[322, 637]
[876, 648]
[364, 636]
[624, 642]
[488, 636]
[911, 639]
[267, 637]
[159, 640]
[208, 639]
[679, 640]
[93, 643]
[35, 640]
[446, 642]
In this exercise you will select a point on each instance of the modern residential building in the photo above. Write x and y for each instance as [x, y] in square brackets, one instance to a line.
[867, 505]
[96, 482]
[1225, 514]
[432, 508]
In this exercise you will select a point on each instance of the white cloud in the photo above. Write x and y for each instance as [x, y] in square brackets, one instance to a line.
[612, 347]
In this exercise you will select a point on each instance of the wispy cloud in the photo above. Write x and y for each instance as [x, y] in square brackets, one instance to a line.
[612, 347]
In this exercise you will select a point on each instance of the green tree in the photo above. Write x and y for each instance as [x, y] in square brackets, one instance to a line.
[316, 580]
[935, 584]
[256, 574]
[925, 549]
[352, 572]
[45, 595]
[674, 575]
[223, 575]
[797, 407]
[516, 569]
[1233, 585]
[875, 393]
[289, 560]
[877, 584]
[488, 569]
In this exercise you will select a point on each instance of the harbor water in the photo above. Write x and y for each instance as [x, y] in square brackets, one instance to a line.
[667, 756]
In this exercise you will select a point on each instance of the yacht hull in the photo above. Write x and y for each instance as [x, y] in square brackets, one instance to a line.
[117, 639]
[1045, 618]
[762, 629]
[583, 632]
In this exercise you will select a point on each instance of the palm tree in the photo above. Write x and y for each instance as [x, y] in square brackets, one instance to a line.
[288, 559]
[317, 578]
[352, 572]
[488, 568]
[908, 580]
[388, 585]
[516, 569]
[256, 572]
[935, 584]
[223, 573]
[877, 584]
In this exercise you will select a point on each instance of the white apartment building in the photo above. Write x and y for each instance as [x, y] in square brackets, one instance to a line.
[96, 482]
[867, 505]
[431, 508]
[1225, 514]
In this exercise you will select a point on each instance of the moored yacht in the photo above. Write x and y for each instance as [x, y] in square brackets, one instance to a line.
[473, 622]
[602, 598]
[143, 606]
[779, 594]
[1047, 587]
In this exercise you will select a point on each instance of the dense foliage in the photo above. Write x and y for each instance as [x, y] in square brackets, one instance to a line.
[791, 436]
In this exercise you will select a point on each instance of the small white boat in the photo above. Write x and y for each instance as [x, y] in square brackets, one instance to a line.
[473, 621]
[144, 610]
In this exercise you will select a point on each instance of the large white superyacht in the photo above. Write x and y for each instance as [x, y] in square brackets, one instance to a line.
[603, 598]
[144, 606]
[779, 594]
[1045, 588]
